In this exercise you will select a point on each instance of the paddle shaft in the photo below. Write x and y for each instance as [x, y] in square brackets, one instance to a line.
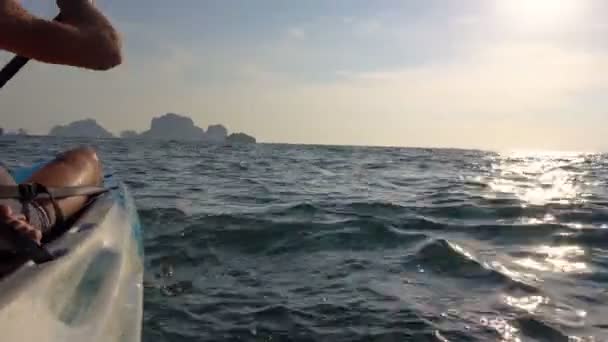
[13, 67]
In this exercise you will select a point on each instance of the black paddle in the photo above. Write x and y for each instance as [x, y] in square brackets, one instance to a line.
[13, 67]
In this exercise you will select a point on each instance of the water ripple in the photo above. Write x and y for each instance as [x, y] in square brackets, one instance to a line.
[332, 243]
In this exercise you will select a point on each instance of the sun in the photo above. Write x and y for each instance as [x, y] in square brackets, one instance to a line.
[540, 14]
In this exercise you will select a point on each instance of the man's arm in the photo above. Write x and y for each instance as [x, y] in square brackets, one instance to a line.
[84, 38]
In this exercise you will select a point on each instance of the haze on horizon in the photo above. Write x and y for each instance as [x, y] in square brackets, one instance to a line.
[489, 74]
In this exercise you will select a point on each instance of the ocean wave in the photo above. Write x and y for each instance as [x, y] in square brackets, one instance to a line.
[313, 243]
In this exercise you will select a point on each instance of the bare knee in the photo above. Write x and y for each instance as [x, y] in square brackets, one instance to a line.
[75, 167]
[82, 154]
[84, 158]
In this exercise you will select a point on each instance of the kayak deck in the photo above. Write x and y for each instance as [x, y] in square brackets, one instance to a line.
[93, 291]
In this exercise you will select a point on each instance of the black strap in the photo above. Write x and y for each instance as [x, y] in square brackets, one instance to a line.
[31, 191]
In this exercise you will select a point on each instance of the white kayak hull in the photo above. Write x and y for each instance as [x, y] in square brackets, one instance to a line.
[94, 292]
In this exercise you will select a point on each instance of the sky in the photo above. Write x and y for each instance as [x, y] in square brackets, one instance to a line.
[489, 74]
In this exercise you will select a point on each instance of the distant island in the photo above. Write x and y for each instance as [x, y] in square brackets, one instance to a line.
[240, 138]
[129, 134]
[83, 128]
[20, 132]
[173, 127]
[166, 127]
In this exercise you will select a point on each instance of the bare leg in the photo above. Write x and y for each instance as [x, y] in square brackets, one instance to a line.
[13, 219]
[78, 167]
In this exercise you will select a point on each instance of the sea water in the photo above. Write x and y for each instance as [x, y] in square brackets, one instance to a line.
[330, 243]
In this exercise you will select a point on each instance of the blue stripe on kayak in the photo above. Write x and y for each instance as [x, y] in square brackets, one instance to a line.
[22, 174]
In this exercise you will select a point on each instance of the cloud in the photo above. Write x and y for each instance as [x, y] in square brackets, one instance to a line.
[502, 78]
[507, 94]
[352, 78]
[296, 33]
[370, 26]
[348, 20]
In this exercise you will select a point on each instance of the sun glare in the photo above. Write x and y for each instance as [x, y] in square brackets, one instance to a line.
[540, 14]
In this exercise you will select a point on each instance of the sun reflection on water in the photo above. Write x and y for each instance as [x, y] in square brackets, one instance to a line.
[551, 189]
[526, 303]
[539, 178]
[559, 259]
[507, 331]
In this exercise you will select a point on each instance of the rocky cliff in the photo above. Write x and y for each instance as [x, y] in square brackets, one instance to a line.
[88, 128]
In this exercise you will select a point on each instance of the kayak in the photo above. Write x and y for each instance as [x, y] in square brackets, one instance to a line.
[93, 289]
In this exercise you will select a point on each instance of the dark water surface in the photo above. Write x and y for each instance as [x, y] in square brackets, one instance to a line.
[310, 243]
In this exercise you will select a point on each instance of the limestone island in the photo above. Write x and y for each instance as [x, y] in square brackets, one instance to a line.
[240, 138]
[11, 134]
[173, 126]
[87, 128]
[128, 134]
[166, 127]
